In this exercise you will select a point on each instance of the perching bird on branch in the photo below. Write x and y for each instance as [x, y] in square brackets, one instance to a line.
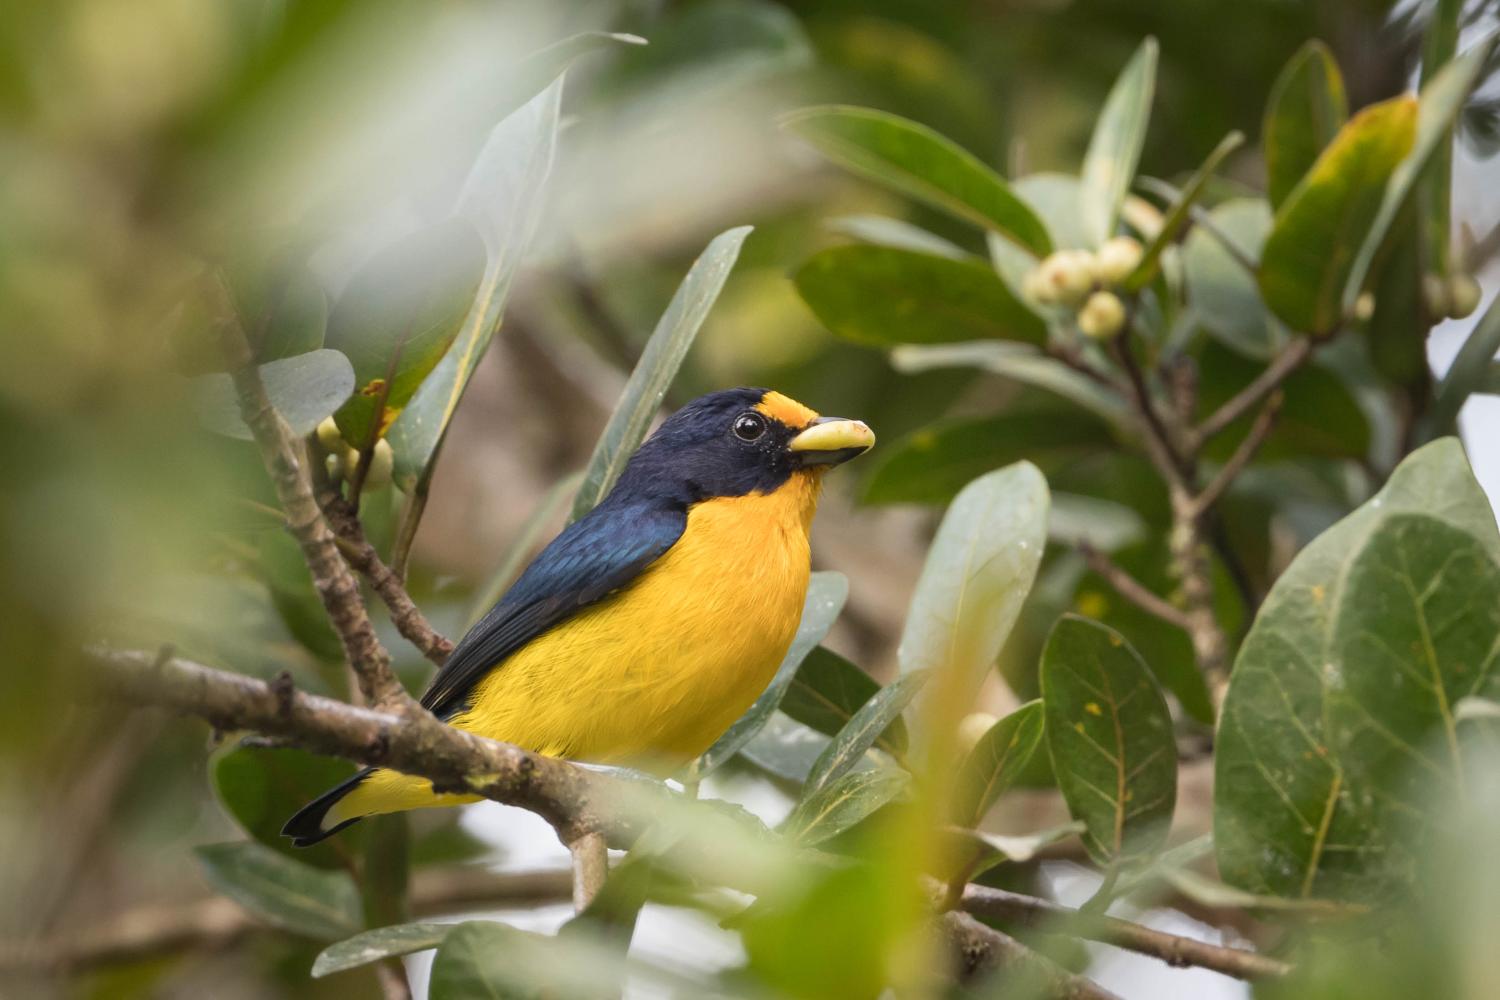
[649, 626]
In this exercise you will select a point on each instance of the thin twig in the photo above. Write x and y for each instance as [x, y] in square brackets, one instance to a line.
[1294, 356]
[285, 460]
[361, 555]
[590, 868]
[1243, 453]
[1173, 949]
[1159, 445]
[1130, 588]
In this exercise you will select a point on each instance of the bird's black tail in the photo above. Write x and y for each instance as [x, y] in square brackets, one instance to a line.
[306, 827]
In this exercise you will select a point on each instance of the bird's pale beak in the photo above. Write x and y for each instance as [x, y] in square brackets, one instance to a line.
[829, 441]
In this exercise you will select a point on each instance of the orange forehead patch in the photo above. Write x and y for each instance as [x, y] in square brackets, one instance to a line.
[787, 410]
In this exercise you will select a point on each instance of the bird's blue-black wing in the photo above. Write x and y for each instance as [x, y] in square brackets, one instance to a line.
[590, 560]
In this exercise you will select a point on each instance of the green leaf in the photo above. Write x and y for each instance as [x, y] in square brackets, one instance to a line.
[931, 465]
[873, 718]
[1021, 363]
[1309, 256]
[1281, 796]
[995, 762]
[1110, 737]
[826, 594]
[973, 852]
[283, 305]
[291, 895]
[977, 574]
[503, 196]
[828, 690]
[397, 317]
[304, 389]
[1415, 632]
[375, 945]
[1435, 193]
[653, 374]
[1306, 109]
[1470, 372]
[260, 788]
[882, 296]
[1115, 147]
[842, 803]
[915, 160]
[898, 233]
[1222, 292]
[1177, 215]
[1437, 109]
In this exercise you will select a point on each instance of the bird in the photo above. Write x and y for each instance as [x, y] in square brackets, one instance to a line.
[640, 633]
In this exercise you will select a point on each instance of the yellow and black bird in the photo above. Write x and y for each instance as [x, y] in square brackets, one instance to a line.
[647, 627]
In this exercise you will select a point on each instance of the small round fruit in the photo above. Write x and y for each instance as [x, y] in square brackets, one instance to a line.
[1463, 295]
[1034, 288]
[1435, 296]
[1117, 258]
[1102, 316]
[1068, 275]
[1364, 306]
[329, 436]
[382, 463]
[972, 729]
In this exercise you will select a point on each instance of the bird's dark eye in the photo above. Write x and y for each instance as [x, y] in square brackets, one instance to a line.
[749, 426]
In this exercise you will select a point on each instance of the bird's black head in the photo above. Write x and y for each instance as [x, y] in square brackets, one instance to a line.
[739, 441]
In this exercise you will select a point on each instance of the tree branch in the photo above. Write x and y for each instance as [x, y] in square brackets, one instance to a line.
[982, 950]
[590, 868]
[1173, 949]
[1130, 588]
[1288, 361]
[414, 742]
[361, 555]
[284, 457]
[1259, 431]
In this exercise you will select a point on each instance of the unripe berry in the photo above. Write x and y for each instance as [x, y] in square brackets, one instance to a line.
[1117, 258]
[1463, 295]
[329, 436]
[1034, 288]
[1364, 306]
[1068, 275]
[382, 463]
[1101, 316]
[972, 729]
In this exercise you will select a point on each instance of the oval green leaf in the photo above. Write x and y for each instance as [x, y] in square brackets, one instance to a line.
[291, 895]
[377, 945]
[917, 161]
[669, 343]
[1110, 737]
[1115, 147]
[992, 766]
[261, 787]
[978, 572]
[1306, 109]
[883, 296]
[1281, 796]
[1309, 256]
[503, 197]
[842, 803]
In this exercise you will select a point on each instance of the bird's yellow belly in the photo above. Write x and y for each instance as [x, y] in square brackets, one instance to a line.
[652, 675]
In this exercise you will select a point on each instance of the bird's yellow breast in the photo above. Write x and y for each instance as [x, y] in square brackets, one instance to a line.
[653, 674]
